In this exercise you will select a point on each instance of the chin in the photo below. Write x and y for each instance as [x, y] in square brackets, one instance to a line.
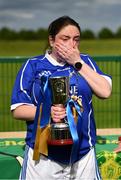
[60, 59]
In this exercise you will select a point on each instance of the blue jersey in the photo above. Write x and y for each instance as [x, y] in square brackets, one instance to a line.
[27, 91]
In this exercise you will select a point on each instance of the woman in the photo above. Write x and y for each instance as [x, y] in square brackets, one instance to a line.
[63, 56]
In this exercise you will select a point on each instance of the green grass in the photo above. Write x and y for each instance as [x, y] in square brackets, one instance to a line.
[107, 112]
[101, 47]
[32, 48]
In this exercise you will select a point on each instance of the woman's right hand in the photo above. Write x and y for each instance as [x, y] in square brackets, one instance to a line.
[58, 113]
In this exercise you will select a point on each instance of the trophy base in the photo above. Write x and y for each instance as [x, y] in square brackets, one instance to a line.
[60, 134]
[60, 142]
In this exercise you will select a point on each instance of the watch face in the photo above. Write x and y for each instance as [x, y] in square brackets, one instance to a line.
[78, 65]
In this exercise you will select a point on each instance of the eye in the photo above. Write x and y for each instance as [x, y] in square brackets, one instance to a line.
[64, 39]
[77, 39]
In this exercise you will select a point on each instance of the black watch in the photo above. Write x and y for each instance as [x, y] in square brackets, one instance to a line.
[78, 66]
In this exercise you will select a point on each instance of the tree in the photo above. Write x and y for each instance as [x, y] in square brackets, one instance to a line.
[27, 35]
[105, 33]
[42, 34]
[8, 34]
[118, 33]
[87, 34]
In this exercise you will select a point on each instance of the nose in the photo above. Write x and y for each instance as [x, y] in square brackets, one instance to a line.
[72, 43]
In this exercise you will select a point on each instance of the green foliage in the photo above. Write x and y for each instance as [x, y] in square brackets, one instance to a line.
[87, 34]
[118, 33]
[42, 34]
[26, 35]
[8, 34]
[105, 33]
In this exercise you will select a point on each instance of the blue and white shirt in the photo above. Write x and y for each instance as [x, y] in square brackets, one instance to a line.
[27, 90]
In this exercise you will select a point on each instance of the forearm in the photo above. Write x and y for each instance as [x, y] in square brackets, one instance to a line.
[98, 83]
[24, 112]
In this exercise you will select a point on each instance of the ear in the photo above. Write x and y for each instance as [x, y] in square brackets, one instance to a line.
[51, 41]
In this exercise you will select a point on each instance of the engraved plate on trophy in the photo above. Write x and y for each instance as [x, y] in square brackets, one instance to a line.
[60, 133]
[60, 89]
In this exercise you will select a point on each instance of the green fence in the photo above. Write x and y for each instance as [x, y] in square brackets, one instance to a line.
[107, 112]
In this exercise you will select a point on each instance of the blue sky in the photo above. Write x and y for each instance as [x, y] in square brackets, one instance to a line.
[33, 14]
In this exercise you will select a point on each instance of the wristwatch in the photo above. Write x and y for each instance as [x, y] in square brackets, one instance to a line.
[78, 65]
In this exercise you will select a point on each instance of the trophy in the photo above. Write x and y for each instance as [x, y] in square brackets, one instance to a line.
[59, 132]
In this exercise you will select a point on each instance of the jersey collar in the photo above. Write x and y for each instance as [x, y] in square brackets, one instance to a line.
[52, 60]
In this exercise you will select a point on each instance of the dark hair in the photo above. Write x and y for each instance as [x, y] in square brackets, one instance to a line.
[59, 23]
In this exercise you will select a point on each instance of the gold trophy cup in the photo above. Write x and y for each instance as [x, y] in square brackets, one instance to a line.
[59, 132]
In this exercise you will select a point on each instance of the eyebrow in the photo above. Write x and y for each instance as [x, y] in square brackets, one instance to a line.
[78, 36]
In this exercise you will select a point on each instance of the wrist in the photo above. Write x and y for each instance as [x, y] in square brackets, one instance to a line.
[78, 65]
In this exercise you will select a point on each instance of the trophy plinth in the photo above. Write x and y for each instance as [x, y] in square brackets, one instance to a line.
[60, 132]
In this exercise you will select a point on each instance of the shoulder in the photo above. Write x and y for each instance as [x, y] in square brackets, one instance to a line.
[89, 60]
[86, 57]
[35, 59]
